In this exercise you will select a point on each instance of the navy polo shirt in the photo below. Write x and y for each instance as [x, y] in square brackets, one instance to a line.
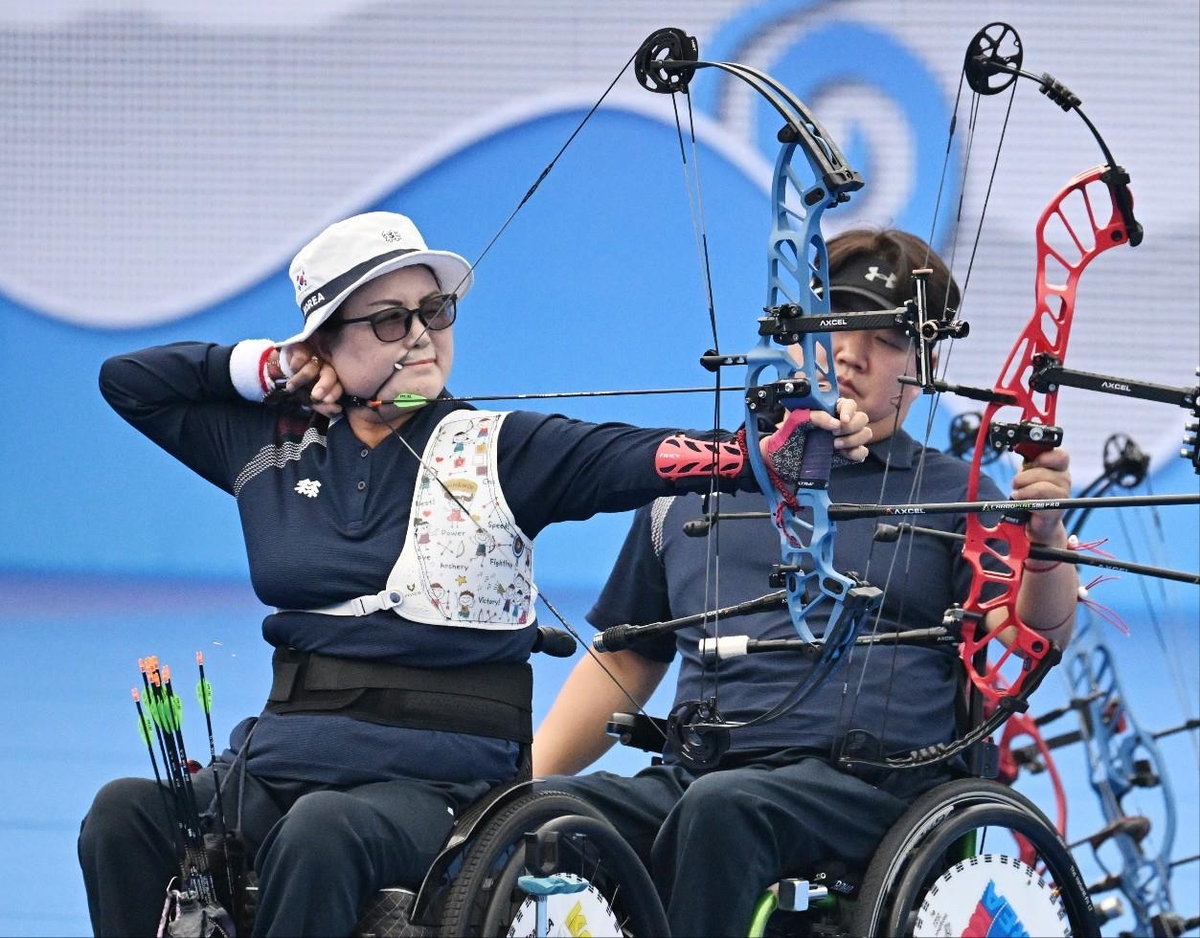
[903, 694]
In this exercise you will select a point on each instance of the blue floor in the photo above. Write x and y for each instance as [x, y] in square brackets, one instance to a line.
[71, 650]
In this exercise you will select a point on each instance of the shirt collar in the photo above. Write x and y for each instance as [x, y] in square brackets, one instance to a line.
[899, 450]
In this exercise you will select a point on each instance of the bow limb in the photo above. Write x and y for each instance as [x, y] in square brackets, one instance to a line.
[1122, 757]
[1022, 725]
[997, 551]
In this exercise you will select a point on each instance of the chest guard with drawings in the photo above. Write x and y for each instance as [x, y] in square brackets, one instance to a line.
[465, 562]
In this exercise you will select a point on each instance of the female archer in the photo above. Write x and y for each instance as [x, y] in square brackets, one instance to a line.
[394, 704]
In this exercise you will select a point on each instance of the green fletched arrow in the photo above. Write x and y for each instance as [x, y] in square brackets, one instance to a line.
[166, 711]
[410, 401]
[146, 730]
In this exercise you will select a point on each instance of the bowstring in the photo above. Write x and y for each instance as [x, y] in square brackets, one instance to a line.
[975, 103]
[570, 629]
[544, 173]
[943, 365]
[694, 188]
[845, 719]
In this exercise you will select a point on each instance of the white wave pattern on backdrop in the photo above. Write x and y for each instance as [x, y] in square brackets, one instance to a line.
[172, 155]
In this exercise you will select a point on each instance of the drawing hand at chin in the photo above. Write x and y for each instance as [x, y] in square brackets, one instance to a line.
[315, 377]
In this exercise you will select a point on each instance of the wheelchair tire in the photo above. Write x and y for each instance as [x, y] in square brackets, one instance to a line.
[919, 854]
[484, 897]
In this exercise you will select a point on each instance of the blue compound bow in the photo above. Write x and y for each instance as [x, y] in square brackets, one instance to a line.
[789, 368]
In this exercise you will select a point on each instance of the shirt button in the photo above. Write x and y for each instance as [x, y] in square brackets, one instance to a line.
[361, 486]
[364, 453]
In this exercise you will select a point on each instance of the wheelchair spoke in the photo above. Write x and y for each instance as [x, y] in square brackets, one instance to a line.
[942, 867]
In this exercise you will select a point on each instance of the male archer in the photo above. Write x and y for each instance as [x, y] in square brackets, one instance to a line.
[777, 801]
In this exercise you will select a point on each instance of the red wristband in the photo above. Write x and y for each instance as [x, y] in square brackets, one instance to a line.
[264, 369]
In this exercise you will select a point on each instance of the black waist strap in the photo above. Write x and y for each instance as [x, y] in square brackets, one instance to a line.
[484, 699]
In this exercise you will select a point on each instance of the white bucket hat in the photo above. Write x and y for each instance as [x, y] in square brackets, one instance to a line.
[349, 253]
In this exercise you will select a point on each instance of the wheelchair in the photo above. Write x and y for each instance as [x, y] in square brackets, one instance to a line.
[950, 863]
[971, 856]
[532, 863]
[505, 869]
[514, 851]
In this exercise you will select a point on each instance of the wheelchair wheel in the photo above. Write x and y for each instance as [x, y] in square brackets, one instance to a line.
[485, 899]
[952, 861]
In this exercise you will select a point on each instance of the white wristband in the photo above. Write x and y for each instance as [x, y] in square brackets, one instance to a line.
[245, 367]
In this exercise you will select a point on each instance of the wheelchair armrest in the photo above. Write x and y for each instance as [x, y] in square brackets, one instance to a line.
[554, 642]
[638, 730]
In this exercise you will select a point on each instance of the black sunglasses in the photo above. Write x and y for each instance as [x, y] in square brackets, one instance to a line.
[436, 313]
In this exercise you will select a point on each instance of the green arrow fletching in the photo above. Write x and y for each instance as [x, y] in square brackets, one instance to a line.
[167, 712]
[409, 400]
[204, 695]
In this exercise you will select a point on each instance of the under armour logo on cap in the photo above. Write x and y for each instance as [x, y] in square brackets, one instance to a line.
[865, 276]
[889, 280]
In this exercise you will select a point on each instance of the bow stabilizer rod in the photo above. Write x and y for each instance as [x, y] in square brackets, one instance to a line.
[890, 532]
[619, 637]
[843, 512]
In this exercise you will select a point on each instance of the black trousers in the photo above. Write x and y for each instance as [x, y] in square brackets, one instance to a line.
[319, 850]
[714, 842]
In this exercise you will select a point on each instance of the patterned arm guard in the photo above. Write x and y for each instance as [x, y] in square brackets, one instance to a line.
[680, 457]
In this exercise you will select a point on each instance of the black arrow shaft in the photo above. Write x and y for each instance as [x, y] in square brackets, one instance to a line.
[1071, 556]
[845, 512]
